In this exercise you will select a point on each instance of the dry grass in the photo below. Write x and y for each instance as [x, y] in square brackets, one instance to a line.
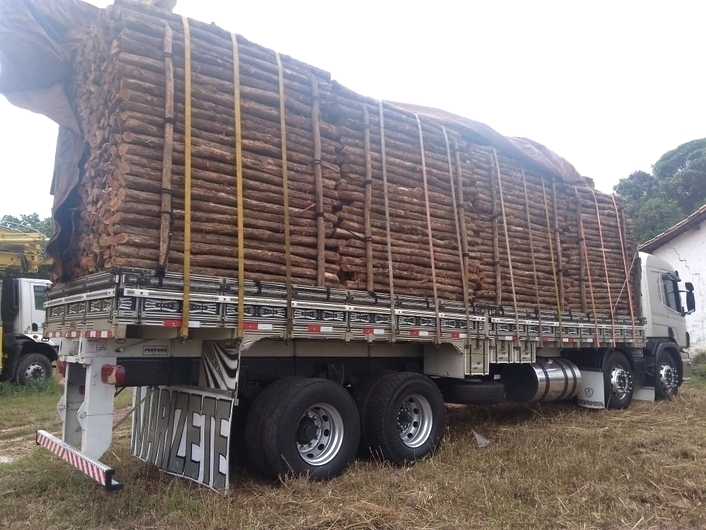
[548, 466]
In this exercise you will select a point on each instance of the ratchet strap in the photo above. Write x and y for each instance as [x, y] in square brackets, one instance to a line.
[507, 244]
[605, 264]
[626, 268]
[393, 319]
[551, 254]
[285, 195]
[239, 184]
[187, 180]
[429, 234]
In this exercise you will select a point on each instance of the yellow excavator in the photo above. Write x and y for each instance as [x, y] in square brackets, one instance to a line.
[25, 354]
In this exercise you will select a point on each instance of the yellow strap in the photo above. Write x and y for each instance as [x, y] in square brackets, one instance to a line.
[461, 257]
[626, 268]
[605, 264]
[532, 251]
[187, 180]
[239, 184]
[551, 253]
[393, 319]
[429, 234]
[285, 193]
[588, 269]
[507, 244]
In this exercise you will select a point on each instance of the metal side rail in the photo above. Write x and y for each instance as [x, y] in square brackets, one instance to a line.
[90, 467]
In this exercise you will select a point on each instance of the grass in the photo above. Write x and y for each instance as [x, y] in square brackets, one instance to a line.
[547, 466]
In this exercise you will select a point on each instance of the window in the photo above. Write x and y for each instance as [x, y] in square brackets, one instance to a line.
[40, 296]
[671, 293]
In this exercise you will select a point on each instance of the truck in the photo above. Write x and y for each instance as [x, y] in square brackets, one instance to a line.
[26, 355]
[289, 273]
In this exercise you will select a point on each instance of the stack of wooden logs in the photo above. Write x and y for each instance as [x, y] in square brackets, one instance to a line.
[377, 197]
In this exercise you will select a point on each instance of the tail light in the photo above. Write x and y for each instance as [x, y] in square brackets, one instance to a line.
[113, 374]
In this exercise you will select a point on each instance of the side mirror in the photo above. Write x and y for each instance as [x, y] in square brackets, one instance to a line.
[690, 301]
[689, 286]
[35, 327]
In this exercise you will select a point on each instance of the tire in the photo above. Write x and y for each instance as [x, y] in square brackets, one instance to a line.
[404, 417]
[255, 420]
[360, 394]
[469, 392]
[33, 367]
[666, 377]
[618, 381]
[310, 428]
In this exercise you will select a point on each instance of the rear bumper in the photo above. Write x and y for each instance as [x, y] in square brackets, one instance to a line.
[90, 467]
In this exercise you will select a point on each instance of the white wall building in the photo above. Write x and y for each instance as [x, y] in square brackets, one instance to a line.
[684, 246]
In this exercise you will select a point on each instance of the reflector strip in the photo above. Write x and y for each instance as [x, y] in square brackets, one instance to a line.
[319, 329]
[373, 331]
[172, 323]
[418, 333]
[90, 467]
[255, 326]
[104, 334]
[73, 334]
[53, 335]
[457, 335]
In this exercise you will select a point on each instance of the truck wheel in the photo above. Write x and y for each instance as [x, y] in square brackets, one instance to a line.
[310, 429]
[361, 393]
[618, 381]
[404, 418]
[33, 367]
[666, 376]
[255, 421]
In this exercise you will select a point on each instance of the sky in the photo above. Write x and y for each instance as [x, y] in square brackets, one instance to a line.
[610, 86]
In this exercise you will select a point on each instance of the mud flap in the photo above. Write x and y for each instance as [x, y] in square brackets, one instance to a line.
[185, 432]
[591, 394]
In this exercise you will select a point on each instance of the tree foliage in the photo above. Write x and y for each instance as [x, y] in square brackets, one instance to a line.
[675, 188]
[28, 223]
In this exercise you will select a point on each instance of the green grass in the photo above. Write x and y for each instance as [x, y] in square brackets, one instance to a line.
[547, 466]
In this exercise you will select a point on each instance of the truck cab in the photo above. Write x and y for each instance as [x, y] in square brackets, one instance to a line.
[26, 354]
[664, 310]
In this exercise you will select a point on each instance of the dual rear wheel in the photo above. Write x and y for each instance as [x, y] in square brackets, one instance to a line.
[312, 427]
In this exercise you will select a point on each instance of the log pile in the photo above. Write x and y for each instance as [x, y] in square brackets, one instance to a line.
[374, 196]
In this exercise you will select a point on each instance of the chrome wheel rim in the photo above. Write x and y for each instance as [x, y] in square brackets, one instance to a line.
[667, 378]
[619, 382]
[414, 420]
[319, 434]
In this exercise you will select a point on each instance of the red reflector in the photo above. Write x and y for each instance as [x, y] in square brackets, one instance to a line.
[313, 329]
[61, 367]
[172, 323]
[250, 326]
[113, 374]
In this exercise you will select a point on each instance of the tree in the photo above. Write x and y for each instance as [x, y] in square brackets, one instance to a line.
[28, 223]
[636, 190]
[681, 173]
[675, 188]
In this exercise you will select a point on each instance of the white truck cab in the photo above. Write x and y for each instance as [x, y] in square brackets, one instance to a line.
[661, 300]
[26, 354]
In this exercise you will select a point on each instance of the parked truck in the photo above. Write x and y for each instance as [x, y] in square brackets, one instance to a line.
[287, 271]
[25, 354]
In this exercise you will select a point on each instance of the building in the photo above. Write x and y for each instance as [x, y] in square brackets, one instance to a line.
[684, 246]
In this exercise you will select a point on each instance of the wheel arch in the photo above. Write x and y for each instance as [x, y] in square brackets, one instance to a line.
[30, 345]
[672, 349]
